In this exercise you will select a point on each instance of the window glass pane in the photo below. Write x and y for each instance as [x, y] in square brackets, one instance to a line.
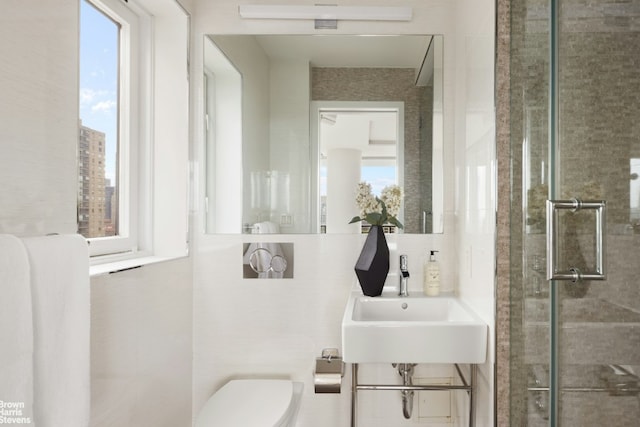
[379, 176]
[98, 135]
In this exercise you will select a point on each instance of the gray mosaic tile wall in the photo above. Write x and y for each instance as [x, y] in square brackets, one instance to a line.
[527, 105]
[503, 216]
[389, 84]
[599, 83]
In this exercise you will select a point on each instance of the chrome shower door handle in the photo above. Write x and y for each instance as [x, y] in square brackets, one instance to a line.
[574, 274]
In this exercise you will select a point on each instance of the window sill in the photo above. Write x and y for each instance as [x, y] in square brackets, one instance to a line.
[117, 266]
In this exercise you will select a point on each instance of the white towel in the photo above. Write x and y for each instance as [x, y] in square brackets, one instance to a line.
[16, 329]
[60, 292]
[266, 227]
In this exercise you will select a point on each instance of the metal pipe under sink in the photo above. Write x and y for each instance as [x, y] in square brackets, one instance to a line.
[468, 386]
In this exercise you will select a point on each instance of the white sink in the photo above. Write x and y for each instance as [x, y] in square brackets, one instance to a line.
[414, 329]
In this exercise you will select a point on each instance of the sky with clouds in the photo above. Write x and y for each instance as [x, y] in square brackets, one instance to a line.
[98, 78]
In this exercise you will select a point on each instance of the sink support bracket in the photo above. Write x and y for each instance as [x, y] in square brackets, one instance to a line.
[467, 385]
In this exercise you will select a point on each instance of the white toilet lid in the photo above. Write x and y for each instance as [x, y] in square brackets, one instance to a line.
[248, 403]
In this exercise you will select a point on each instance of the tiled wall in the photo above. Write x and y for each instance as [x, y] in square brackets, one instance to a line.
[384, 84]
[475, 155]
[141, 324]
[249, 328]
[141, 346]
[39, 130]
[597, 137]
[140, 320]
[276, 328]
[503, 154]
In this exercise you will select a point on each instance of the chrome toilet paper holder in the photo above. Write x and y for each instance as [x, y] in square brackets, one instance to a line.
[329, 371]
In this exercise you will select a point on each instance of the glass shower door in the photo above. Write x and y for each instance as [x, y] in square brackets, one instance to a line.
[594, 157]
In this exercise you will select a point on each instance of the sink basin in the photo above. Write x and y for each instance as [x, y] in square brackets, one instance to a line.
[412, 329]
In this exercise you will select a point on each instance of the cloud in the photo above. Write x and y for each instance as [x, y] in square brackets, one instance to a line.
[98, 100]
[104, 106]
[88, 96]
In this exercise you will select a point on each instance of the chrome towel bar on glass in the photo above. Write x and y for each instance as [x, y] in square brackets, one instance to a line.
[573, 273]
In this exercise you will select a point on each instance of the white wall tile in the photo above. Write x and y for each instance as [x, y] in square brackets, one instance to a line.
[476, 177]
[39, 111]
[141, 320]
[278, 327]
[141, 346]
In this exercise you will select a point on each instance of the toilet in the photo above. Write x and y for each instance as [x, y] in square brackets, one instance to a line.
[252, 403]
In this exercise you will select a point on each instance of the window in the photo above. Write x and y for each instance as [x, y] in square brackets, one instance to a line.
[111, 73]
[138, 165]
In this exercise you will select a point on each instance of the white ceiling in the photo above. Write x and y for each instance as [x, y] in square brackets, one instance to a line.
[390, 51]
[406, 51]
[374, 133]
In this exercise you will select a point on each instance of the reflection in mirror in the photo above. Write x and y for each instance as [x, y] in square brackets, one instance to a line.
[223, 136]
[358, 141]
[296, 99]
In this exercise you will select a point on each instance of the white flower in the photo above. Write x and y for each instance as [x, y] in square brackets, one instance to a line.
[392, 198]
[365, 200]
[378, 211]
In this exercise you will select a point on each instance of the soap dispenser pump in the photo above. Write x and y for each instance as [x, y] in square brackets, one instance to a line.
[432, 276]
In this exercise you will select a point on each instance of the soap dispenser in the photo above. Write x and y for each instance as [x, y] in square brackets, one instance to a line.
[432, 276]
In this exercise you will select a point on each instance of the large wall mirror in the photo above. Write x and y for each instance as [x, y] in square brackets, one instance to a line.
[293, 123]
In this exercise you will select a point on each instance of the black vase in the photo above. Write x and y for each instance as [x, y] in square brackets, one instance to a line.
[372, 266]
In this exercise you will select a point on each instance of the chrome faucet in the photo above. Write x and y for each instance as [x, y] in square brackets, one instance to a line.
[404, 277]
